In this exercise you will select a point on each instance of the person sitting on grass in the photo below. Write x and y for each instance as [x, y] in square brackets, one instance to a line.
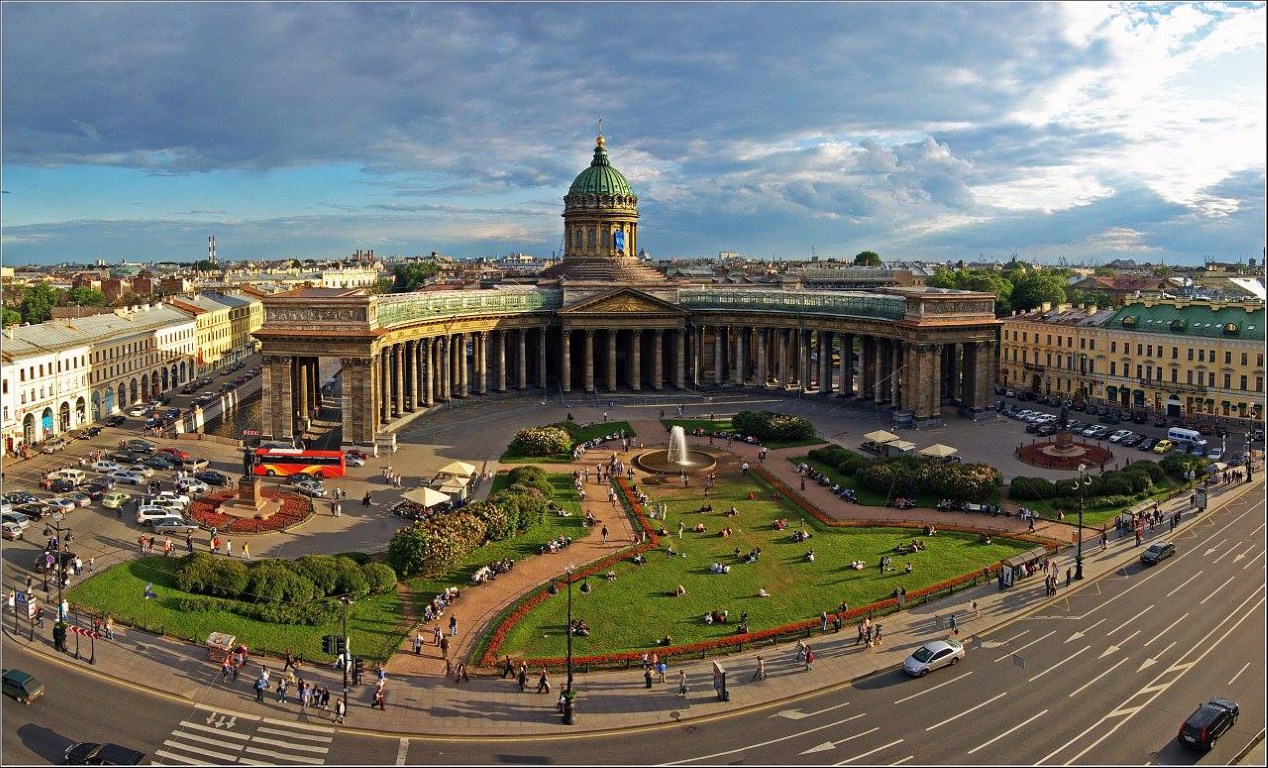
[810, 556]
[680, 590]
[761, 592]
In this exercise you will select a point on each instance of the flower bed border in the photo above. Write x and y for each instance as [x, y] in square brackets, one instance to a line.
[207, 505]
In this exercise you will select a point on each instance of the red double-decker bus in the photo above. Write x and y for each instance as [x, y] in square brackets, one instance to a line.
[284, 462]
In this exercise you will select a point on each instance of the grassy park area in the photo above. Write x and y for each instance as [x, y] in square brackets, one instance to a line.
[637, 608]
[580, 433]
[724, 425]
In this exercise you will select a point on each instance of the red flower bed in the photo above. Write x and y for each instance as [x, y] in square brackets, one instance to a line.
[1033, 455]
[295, 509]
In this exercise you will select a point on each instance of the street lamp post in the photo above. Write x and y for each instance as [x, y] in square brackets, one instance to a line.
[347, 655]
[567, 692]
[1080, 483]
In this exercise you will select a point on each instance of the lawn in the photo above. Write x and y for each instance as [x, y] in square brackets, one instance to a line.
[724, 425]
[580, 433]
[1096, 511]
[374, 622]
[868, 497]
[636, 610]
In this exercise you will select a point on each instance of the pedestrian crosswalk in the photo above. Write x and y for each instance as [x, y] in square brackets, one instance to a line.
[213, 736]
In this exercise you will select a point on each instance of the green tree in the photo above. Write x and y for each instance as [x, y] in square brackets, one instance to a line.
[203, 265]
[12, 317]
[37, 305]
[1105, 272]
[1032, 289]
[1163, 270]
[85, 296]
[412, 276]
[867, 259]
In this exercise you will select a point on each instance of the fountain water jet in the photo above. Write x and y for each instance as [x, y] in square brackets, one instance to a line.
[679, 458]
[678, 447]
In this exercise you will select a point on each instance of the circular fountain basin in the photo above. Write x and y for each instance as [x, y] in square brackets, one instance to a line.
[659, 462]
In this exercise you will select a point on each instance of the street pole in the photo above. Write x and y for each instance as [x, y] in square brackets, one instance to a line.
[568, 711]
[347, 656]
[1081, 483]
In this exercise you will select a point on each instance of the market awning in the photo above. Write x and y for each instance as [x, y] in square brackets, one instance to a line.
[939, 451]
[880, 436]
[426, 496]
[457, 468]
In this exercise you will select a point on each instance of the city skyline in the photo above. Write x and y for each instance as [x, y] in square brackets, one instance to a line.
[1085, 131]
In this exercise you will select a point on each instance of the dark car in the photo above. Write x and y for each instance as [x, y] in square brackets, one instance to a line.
[92, 431]
[99, 486]
[58, 485]
[1157, 552]
[153, 423]
[158, 461]
[189, 389]
[1046, 430]
[1147, 444]
[1131, 440]
[140, 446]
[92, 753]
[22, 686]
[1140, 417]
[1207, 723]
[1160, 421]
[117, 420]
[19, 497]
[212, 477]
[33, 510]
[124, 457]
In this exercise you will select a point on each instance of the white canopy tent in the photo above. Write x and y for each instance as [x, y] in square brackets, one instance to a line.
[939, 451]
[457, 469]
[428, 497]
[880, 436]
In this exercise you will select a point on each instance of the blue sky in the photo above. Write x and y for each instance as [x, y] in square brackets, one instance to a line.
[1090, 131]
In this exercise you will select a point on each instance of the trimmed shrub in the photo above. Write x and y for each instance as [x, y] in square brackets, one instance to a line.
[194, 572]
[351, 579]
[1155, 472]
[407, 550]
[1031, 489]
[321, 570]
[852, 463]
[380, 576]
[533, 477]
[273, 582]
[227, 578]
[769, 426]
[498, 523]
[525, 506]
[541, 441]
[828, 454]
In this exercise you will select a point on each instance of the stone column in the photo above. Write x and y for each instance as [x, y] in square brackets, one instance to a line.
[541, 358]
[845, 374]
[382, 384]
[588, 371]
[951, 371]
[781, 357]
[760, 376]
[741, 356]
[411, 376]
[398, 378]
[479, 362]
[979, 370]
[565, 359]
[443, 369]
[680, 358]
[825, 362]
[501, 360]
[636, 359]
[895, 367]
[302, 411]
[276, 403]
[935, 381]
[359, 414]
[694, 344]
[867, 367]
[717, 353]
[522, 384]
[803, 358]
[429, 372]
[658, 352]
[611, 362]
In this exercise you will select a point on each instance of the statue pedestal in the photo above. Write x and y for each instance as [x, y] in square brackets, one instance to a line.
[1064, 440]
[250, 503]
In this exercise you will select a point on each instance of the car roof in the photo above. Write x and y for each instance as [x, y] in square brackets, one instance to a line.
[939, 645]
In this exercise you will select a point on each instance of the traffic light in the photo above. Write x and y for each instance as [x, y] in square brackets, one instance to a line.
[341, 646]
[328, 645]
[358, 666]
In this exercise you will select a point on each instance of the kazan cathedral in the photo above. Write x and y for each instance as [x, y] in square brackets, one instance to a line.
[603, 322]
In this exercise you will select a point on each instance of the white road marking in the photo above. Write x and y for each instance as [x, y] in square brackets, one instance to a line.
[402, 752]
[797, 714]
[180, 759]
[1168, 629]
[220, 756]
[279, 755]
[280, 743]
[1239, 673]
[1027, 645]
[1185, 582]
[1251, 561]
[207, 740]
[1080, 633]
[965, 712]
[217, 731]
[293, 735]
[230, 712]
[1098, 677]
[1214, 591]
[301, 726]
[766, 743]
[933, 688]
[872, 752]
[905, 759]
[1059, 663]
[1129, 621]
[1010, 730]
[825, 746]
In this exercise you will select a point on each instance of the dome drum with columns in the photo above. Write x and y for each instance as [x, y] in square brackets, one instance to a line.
[601, 228]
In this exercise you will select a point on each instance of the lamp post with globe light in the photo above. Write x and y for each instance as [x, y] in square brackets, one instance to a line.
[1081, 482]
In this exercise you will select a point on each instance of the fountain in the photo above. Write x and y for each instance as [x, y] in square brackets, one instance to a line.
[678, 458]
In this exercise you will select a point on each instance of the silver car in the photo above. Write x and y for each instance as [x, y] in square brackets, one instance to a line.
[932, 655]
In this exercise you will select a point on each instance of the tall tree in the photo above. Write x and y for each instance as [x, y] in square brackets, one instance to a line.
[37, 305]
[85, 297]
[414, 275]
[867, 259]
[1033, 289]
[12, 317]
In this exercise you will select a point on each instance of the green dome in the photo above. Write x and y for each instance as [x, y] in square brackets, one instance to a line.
[600, 178]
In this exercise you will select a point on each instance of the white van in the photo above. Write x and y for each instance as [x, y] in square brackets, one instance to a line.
[1188, 436]
[76, 476]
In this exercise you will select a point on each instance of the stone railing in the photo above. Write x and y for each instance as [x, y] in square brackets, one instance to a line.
[836, 304]
[412, 307]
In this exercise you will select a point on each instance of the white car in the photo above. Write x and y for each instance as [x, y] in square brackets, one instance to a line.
[124, 476]
[192, 485]
[179, 498]
[354, 461]
[137, 410]
[152, 513]
[105, 466]
[933, 655]
[60, 504]
[1215, 454]
[142, 470]
[12, 531]
[1118, 436]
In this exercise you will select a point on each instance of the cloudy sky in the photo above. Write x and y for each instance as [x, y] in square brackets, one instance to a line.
[1090, 131]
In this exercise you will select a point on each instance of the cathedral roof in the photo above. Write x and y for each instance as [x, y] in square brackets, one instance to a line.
[600, 178]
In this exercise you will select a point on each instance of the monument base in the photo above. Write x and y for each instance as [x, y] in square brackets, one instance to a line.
[250, 503]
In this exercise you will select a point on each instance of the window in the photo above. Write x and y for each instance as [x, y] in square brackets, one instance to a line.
[1244, 360]
[1150, 353]
[1050, 339]
[1175, 375]
[1113, 368]
[1139, 368]
[1175, 353]
[1228, 358]
[1243, 383]
[1201, 356]
[1210, 379]
[1091, 344]
[1190, 354]
[1113, 347]
[1259, 383]
[1259, 360]
[1138, 352]
[1188, 377]
[1228, 381]
[1082, 343]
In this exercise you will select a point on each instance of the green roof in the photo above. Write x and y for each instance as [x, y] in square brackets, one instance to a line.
[1209, 320]
[600, 178]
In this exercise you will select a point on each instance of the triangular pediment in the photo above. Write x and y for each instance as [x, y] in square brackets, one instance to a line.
[623, 301]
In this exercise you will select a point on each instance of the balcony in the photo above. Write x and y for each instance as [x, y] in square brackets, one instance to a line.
[1172, 385]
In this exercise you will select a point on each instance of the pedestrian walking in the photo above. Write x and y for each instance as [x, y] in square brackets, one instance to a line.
[340, 711]
[1069, 574]
[228, 547]
[605, 534]
[281, 690]
[444, 647]
[260, 684]
[226, 669]
[543, 682]
[647, 676]
[682, 682]
[453, 626]
[508, 668]
[436, 634]
[246, 550]
[418, 643]
[955, 629]
[380, 700]
[661, 669]
[810, 658]
[877, 639]
[760, 672]
[862, 631]
[522, 677]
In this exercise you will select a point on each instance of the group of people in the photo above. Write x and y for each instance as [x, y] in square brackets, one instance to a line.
[556, 544]
[436, 607]
[902, 502]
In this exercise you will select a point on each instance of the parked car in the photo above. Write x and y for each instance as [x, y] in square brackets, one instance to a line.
[158, 461]
[176, 454]
[91, 432]
[141, 469]
[22, 686]
[57, 484]
[35, 510]
[92, 753]
[1164, 446]
[21, 521]
[124, 476]
[1147, 444]
[212, 477]
[1157, 552]
[61, 504]
[1046, 430]
[1118, 435]
[78, 498]
[310, 487]
[194, 465]
[115, 499]
[1140, 417]
[191, 486]
[19, 497]
[177, 525]
[151, 512]
[138, 410]
[1208, 723]
[11, 531]
[117, 420]
[105, 465]
[1131, 440]
[1160, 421]
[932, 655]
[124, 458]
[137, 445]
[354, 461]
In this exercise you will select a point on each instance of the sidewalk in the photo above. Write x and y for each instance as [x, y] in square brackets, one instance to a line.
[608, 701]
